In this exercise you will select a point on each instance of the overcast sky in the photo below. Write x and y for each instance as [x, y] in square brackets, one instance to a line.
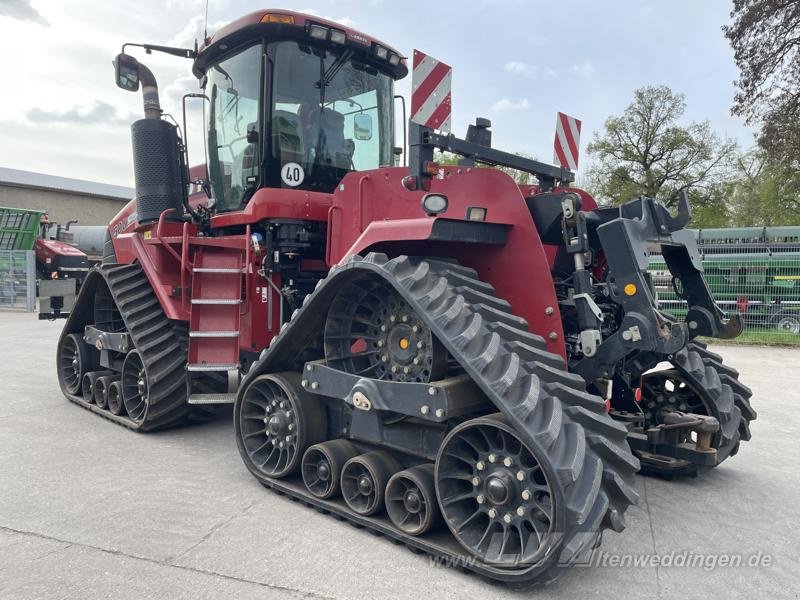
[515, 61]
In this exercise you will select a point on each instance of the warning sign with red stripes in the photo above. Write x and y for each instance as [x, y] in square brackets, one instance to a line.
[568, 141]
[430, 92]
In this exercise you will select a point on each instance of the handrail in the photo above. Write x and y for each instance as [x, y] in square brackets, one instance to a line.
[160, 238]
[361, 181]
[184, 262]
[329, 239]
[182, 258]
[248, 243]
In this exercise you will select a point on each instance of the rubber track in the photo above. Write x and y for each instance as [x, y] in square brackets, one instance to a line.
[157, 339]
[729, 399]
[548, 407]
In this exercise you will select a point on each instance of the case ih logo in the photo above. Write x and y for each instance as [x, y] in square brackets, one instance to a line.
[430, 92]
[568, 141]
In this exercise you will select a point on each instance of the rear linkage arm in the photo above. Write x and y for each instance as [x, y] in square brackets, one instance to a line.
[626, 235]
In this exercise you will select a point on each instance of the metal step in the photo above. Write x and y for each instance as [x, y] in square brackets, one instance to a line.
[211, 367]
[216, 301]
[213, 334]
[212, 398]
[216, 270]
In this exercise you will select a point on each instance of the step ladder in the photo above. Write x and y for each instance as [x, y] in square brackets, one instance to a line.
[213, 361]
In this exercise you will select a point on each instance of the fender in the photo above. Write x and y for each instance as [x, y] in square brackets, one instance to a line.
[511, 258]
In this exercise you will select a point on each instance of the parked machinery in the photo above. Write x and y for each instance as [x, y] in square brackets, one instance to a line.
[752, 270]
[432, 352]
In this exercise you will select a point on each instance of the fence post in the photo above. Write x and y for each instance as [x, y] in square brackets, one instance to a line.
[30, 270]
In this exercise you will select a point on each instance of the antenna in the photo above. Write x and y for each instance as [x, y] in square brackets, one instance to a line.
[205, 26]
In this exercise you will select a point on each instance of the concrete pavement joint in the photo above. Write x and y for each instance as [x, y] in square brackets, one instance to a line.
[173, 561]
[272, 586]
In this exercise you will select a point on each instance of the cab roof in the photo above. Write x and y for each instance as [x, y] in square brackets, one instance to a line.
[281, 24]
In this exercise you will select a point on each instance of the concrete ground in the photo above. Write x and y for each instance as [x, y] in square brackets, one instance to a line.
[91, 510]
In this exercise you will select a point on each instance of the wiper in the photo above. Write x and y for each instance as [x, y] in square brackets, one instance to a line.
[335, 67]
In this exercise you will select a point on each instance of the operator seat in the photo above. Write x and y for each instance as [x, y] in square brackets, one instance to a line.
[325, 136]
[287, 136]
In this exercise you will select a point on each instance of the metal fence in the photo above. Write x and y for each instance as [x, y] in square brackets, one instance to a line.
[17, 280]
[752, 271]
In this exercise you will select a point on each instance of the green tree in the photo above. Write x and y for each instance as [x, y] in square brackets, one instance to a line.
[765, 37]
[765, 193]
[645, 151]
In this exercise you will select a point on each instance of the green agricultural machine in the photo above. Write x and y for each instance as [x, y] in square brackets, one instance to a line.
[18, 231]
[18, 228]
[752, 270]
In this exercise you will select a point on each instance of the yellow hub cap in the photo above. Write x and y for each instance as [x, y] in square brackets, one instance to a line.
[403, 343]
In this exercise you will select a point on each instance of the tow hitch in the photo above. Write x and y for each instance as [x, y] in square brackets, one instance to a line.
[672, 438]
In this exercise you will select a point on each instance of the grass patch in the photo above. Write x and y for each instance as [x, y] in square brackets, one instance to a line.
[767, 338]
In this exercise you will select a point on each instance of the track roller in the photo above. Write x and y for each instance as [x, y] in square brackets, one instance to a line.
[100, 389]
[322, 466]
[411, 500]
[114, 398]
[87, 384]
[75, 359]
[278, 420]
[364, 480]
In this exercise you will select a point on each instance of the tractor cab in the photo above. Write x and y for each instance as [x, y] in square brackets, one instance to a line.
[292, 114]
[294, 102]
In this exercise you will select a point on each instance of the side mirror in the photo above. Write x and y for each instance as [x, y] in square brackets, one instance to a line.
[126, 72]
[362, 126]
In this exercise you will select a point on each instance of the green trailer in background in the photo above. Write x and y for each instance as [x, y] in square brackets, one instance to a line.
[19, 228]
[754, 271]
[18, 231]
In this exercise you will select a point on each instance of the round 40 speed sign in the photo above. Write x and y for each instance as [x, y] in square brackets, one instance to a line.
[292, 174]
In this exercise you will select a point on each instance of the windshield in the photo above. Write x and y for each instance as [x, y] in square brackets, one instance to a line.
[234, 90]
[330, 115]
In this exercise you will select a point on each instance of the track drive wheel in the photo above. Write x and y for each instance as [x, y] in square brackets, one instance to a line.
[75, 359]
[411, 500]
[497, 496]
[276, 421]
[364, 480]
[372, 331]
[322, 466]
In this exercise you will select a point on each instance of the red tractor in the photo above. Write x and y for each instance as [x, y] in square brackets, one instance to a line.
[466, 365]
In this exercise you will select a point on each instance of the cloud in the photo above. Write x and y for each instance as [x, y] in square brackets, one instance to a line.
[100, 113]
[584, 69]
[550, 72]
[519, 68]
[506, 104]
[515, 66]
[22, 10]
[346, 21]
